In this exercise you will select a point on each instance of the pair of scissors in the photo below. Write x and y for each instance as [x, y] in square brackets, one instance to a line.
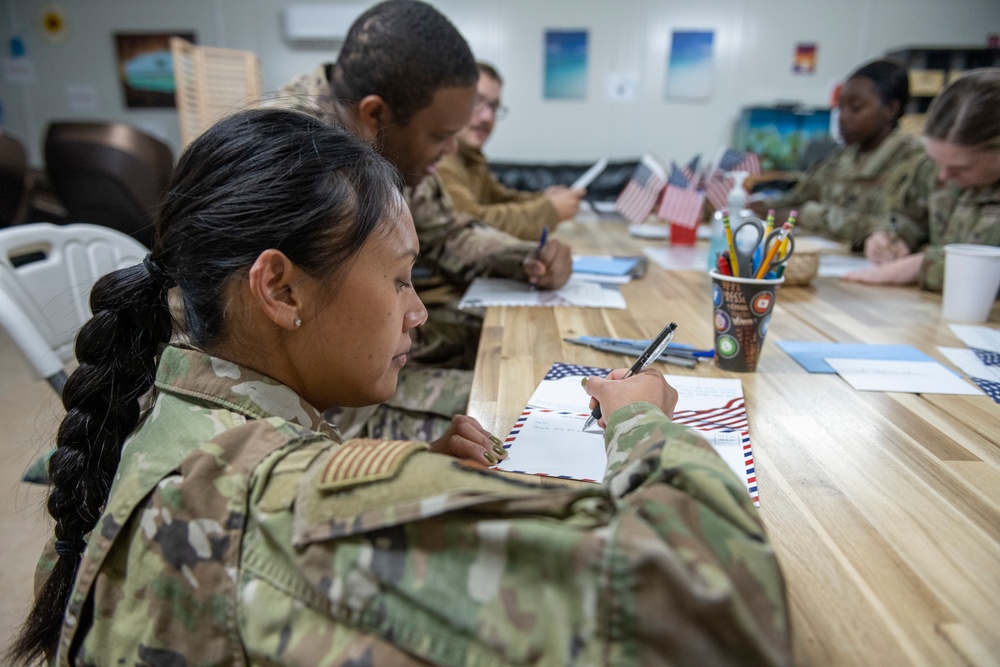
[747, 236]
[778, 247]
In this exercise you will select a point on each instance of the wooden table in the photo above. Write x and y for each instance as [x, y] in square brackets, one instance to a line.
[884, 508]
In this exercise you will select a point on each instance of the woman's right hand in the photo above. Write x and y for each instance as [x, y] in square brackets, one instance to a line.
[612, 392]
[880, 248]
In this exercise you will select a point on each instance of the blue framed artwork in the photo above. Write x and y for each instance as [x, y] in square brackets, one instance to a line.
[565, 64]
[689, 69]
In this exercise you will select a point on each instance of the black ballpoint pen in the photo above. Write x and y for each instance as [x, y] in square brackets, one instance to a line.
[648, 356]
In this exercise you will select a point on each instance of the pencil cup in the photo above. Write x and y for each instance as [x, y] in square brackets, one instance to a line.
[971, 280]
[741, 310]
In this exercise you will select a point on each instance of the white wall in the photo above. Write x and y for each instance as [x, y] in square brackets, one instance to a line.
[754, 43]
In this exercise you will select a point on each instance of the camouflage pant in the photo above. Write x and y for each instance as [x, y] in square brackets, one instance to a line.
[421, 409]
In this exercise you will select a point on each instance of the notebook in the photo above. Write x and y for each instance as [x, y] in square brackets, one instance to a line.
[548, 437]
[485, 292]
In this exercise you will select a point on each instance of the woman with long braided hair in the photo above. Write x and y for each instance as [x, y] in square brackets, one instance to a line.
[229, 524]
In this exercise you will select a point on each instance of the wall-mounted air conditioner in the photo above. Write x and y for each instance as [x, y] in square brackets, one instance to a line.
[321, 25]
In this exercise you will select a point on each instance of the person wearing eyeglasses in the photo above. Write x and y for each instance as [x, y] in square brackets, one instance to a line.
[475, 191]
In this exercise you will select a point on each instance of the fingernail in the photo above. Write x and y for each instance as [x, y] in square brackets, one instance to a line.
[501, 452]
[489, 457]
[496, 440]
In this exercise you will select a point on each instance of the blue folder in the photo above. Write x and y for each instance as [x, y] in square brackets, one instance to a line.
[604, 266]
[811, 355]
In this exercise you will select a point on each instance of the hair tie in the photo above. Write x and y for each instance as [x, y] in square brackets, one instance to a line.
[70, 547]
[156, 272]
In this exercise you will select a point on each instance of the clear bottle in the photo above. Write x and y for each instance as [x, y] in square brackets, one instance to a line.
[737, 212]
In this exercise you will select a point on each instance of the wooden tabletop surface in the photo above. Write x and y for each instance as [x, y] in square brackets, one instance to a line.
[884, 508]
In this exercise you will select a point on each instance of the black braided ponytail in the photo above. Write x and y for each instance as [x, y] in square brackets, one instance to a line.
[257, 180]
[117, 352]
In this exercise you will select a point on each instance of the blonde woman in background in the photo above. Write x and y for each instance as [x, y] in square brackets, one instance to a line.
[954, 194]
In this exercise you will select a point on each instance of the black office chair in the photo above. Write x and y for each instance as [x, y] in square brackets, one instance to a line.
[109, 174]
[538, 176]
[14, 181]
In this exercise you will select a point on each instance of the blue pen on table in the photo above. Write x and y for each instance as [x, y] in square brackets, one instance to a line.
[638, 344]
[541, 244]
[648, 356]
[682, 358]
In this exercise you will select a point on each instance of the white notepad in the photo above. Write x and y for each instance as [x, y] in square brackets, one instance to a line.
[485, 292]
[589, 175]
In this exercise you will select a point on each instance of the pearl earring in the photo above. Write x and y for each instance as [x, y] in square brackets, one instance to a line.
[297, 323]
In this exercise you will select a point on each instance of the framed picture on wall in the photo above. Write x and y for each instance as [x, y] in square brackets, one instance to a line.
[689, 68]
[565, 65]
[146, 69]
[804, 61]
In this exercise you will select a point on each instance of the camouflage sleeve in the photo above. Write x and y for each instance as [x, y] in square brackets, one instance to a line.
[908, 213]
[932, 268]
[463, 248]
[971, 215]
[807, 189]
[308, 93]
[665, 564]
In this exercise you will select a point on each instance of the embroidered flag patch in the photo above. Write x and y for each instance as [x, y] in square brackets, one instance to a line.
[365, 461]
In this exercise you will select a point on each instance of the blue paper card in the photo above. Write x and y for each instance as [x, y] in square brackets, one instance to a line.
[811, 355]
[604, 266]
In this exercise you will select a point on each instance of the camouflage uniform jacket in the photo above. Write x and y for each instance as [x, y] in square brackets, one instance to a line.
[457, 247]
[240, 530]
[928, 215]
[454, 248]
[848, 194]
[476, 191]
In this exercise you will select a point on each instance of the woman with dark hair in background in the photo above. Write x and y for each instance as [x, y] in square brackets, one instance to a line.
[230, 524]
[846, 195]
[953, 194]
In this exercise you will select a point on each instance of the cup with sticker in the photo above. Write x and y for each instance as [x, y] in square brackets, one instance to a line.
[741, 314]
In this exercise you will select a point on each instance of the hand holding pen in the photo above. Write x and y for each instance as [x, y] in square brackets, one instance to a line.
[620, 388]
[648, 356]
[550, 264]
[883, 247]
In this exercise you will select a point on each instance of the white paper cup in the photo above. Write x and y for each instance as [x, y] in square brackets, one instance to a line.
[971, 281]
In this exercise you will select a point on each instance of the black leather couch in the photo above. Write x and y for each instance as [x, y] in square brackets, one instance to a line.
[534, 176]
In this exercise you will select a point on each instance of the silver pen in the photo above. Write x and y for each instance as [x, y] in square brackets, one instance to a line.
[648, 356]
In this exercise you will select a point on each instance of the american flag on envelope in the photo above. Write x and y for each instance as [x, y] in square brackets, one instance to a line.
[639, 196]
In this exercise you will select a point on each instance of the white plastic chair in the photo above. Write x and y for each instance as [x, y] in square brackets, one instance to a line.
[46, 273]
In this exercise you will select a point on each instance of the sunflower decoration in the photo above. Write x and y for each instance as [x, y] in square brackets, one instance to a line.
[53, 24]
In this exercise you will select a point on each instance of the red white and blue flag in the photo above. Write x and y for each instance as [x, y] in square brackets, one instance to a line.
[734, 160]
[718, 183]
[681, 206]
[639, 196]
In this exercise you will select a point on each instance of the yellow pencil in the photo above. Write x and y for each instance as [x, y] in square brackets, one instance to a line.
[733, 263]
[769, 223]
[778, 242]
[784, 246]
[791, 223]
